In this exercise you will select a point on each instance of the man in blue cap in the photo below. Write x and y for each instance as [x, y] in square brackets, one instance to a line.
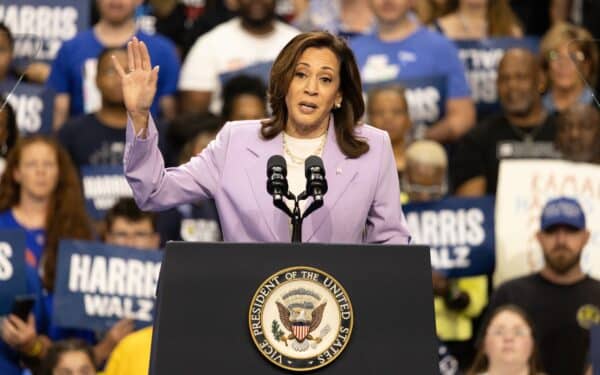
[562, 301]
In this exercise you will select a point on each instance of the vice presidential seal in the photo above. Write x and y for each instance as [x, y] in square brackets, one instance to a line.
[301, 318]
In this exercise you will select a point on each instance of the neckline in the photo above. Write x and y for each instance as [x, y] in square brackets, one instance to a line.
[21, 225]
[418, 29]
[557, 285]
[297, 139]
[530, 135]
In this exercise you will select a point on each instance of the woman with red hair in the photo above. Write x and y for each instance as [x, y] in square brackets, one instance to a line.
[40, 194]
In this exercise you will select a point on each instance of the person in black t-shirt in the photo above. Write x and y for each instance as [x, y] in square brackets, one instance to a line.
[196, 221]
[522, 130]
[561, 300]
[99, 138]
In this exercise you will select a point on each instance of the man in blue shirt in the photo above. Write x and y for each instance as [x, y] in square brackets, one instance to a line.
[402, 49]
[73, 71]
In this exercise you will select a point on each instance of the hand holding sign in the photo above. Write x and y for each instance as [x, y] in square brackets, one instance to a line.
[139, 83]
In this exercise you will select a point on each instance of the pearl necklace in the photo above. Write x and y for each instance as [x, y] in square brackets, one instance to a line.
[300, 160]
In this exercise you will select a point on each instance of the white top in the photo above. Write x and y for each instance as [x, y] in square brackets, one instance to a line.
[301, 148]
[227, 48]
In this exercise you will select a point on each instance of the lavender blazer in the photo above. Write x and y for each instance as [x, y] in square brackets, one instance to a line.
[362, 204]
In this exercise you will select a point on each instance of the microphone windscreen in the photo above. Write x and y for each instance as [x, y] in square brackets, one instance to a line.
[313, 161]
[276, 161]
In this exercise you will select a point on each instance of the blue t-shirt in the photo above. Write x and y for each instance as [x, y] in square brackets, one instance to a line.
[34, 245]
[586, 97]
[424, 53]
[78, 56]
[42, 309]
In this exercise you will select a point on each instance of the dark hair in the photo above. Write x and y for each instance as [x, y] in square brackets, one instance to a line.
[65, 346]
[397, 88]
[481, 363]
[65, 215]
[127, 209]
[108, 52]
[188, 149]
[6, 30]
[11, 127]
[188, 125]
[241, 85]
[347, 117]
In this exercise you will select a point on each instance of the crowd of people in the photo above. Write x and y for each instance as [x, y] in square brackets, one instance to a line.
[210, 66]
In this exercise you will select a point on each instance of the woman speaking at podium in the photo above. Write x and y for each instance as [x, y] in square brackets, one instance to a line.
[316, 100]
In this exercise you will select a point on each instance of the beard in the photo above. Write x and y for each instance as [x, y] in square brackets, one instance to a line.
[562, 260]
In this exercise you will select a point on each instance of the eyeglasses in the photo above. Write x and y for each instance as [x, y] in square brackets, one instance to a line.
[575, 56]
[436, 190]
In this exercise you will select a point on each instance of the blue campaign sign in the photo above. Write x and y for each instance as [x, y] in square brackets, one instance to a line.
[41, 26]
[260, 70]
[98, 284]
[481, 59]
[426, 97]
[12, 268]
[33, 105]
[460, 232]
[103, 185]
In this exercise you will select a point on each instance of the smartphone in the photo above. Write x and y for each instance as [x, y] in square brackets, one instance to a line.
[22, 306]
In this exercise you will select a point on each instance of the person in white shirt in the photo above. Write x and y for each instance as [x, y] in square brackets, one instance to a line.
[253, 38]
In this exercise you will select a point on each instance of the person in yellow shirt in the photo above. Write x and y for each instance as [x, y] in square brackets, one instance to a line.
[132, 355]
[458, 301]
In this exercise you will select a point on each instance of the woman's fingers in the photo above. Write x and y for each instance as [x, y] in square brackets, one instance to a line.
[130, 60]
[118, 67]
[154, 75]
[137, 58]
[145, 56]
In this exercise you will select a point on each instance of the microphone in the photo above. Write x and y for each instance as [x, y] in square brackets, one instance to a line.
[316, 184]
[277, 184]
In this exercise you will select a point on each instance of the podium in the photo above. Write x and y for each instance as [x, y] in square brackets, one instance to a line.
[206, 290]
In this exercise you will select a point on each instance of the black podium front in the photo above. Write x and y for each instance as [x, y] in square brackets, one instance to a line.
[206, 290]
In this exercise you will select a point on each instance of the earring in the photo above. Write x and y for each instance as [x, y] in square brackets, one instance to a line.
[338, 105]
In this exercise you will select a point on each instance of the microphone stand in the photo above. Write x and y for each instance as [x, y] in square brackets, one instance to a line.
[295, 215]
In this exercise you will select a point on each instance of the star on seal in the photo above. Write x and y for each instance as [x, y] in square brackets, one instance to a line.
[301, 318]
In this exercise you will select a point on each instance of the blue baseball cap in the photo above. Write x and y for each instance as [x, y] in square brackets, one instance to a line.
[562, 211]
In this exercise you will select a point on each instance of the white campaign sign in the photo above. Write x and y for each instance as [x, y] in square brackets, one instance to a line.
[523, 188]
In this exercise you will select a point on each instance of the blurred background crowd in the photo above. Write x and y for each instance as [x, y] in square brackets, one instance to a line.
[463, 87]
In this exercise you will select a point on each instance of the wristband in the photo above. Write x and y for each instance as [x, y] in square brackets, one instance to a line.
[36, 349]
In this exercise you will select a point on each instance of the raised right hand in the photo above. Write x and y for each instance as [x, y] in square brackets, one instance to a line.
[139, 82]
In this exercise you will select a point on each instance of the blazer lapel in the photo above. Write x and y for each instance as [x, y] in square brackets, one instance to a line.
[256, 166]
[339, 172]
